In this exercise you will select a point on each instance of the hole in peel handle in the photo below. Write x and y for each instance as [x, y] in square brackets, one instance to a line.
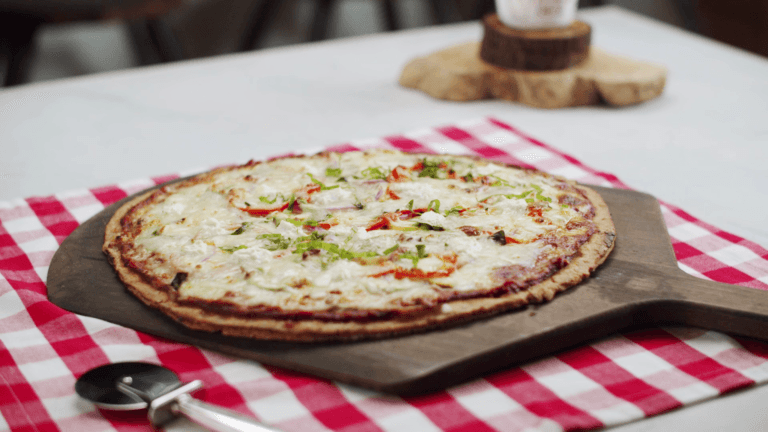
[216, 418]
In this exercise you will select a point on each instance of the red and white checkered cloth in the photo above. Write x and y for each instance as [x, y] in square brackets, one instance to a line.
[43, 349]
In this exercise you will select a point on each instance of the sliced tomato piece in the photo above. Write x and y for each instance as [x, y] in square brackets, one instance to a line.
[381, 223]
[534, 211]
[398, 174]
[322, 225]
[401, 273]
[264, 211]
[392, 195]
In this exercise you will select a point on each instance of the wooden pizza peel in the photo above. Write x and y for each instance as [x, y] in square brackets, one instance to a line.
[639, 285]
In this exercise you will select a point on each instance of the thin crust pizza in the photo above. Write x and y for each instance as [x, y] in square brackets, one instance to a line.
[345, 246]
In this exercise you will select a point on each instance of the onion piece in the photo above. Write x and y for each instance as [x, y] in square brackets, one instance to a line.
[209, 256]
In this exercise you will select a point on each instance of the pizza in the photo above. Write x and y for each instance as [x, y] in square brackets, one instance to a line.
[356, 245]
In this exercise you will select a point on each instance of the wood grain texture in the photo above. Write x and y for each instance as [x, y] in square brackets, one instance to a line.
[459, 74]
[539, 50]
[639, 285]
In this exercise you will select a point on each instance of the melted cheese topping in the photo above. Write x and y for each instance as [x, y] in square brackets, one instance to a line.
[366, 231]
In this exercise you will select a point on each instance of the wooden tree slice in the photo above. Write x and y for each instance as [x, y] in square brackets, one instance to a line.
[546, 49]
[458, 74]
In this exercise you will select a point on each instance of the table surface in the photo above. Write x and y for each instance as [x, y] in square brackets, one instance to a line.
[700, 146]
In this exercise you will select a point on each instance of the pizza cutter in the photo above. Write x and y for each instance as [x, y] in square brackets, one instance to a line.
[135, 385]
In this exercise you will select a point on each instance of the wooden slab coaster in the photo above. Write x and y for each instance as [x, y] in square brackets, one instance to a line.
[545, 49]
[459, 74]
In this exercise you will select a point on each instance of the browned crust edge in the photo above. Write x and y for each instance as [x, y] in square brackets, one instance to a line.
[591, 254]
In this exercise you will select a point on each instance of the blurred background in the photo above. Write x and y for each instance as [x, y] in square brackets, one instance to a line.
[50, 39]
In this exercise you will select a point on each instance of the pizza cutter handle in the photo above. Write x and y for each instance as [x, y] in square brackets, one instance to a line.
[216, 418]
[176, 402]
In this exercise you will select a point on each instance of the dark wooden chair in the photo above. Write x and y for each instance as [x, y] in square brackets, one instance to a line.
[741, 23]
[21, 19]
[265, 11]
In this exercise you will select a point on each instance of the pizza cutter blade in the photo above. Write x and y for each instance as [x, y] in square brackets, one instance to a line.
[135, 385]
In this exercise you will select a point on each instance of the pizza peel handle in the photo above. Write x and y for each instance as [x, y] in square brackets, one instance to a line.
[714, 306]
